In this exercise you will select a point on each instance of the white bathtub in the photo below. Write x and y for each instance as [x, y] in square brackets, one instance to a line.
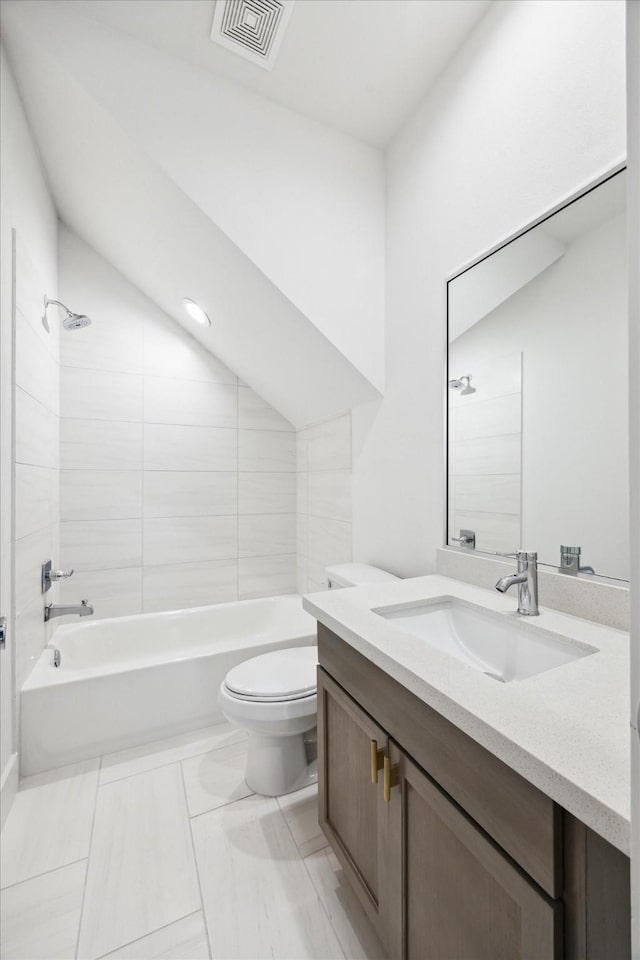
[130, 680]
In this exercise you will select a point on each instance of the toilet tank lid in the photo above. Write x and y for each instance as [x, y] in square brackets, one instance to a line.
[357, 574]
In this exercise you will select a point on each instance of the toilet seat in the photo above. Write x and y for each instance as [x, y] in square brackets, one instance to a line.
[276, 677]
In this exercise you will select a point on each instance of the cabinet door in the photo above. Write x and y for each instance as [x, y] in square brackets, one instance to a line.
[461, 896]
[352, 814]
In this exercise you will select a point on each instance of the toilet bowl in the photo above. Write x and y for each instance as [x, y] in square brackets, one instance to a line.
[273, 697]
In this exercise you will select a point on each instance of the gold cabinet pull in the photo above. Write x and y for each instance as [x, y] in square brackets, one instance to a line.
[390, 778]
[377, 760]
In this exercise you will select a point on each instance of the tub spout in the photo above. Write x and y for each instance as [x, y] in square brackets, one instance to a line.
[51, 610]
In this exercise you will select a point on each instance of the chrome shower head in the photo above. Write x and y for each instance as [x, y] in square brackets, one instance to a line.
[72, 321]
[461, 385]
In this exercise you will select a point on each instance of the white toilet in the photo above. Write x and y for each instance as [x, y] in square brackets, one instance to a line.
[273, 696]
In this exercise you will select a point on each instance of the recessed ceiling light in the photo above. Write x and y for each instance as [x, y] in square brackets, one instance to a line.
[196, 312]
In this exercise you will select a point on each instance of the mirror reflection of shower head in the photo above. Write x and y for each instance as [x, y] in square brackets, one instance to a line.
[72, 321]
[462, 385]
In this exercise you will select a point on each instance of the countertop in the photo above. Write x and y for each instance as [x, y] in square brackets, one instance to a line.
[566, 730]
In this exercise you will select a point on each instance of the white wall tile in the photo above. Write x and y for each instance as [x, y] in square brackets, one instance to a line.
[184, 539]
[301, 449]
[302, 533]
[498, 455]
[64, 797]
[100, 445]
[266, 451]
[30, 553]
[487, 494]
[190, 402]
[329, 494]
[105, 345]
[488, 418]
[302, 500]
[141, 873]
[267, 535]
[170, 352]
[266, 576]
[174, 586]
[100, 395]
[36, 432]
[329, 444]
[41, 917]
[100, 494]
[170, 447]
[33, 499]
[255, 414]
[267, 493]
[177, 493]
[112, 593]
[100, 544]
[35, 368]
[329, 541]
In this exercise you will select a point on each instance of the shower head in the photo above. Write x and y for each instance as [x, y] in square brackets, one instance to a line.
[72, 321]
[461, 385]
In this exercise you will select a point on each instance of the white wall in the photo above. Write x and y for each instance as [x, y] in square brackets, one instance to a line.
[177, 482]
[570, 324]
[27, 208]
[531, 108]
[324, 529]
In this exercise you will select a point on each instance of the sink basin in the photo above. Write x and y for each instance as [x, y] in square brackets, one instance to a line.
[504, 648]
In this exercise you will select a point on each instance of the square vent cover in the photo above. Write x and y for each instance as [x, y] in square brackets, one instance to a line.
[252, 28]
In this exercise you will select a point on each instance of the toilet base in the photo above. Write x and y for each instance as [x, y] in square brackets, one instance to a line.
[278, 765]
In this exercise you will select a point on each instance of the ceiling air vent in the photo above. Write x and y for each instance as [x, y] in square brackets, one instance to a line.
[252, 28]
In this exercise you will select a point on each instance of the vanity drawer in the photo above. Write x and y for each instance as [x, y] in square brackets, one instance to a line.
[524, 822]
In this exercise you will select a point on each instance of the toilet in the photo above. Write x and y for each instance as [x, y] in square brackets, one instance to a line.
[273, 697]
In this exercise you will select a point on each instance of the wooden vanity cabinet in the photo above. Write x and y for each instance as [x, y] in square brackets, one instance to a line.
[440, 881]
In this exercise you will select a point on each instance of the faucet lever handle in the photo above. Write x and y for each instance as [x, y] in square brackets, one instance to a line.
[60, 574]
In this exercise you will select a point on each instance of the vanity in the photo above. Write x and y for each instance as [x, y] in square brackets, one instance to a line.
[475, 816]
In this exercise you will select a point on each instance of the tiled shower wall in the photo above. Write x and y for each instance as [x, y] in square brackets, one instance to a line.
[177, 483]
[36, 456]
[324, 500]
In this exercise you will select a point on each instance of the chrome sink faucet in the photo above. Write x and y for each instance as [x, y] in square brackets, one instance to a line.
[51, 610]
[527, 580]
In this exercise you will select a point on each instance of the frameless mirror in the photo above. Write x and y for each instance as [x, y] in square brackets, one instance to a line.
[537, 438]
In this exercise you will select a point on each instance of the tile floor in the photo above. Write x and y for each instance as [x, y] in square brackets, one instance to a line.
[163, 851]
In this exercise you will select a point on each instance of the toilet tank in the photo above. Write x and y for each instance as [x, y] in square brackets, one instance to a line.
[356, 575]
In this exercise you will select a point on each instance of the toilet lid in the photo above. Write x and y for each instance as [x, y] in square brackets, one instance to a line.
[279, 675]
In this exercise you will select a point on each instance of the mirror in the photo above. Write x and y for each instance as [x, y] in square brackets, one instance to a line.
[537, 404]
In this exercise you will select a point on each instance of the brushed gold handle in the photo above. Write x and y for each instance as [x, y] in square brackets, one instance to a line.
[377, 760]
[390, 778]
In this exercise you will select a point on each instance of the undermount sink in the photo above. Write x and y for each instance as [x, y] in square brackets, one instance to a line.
[496, 644]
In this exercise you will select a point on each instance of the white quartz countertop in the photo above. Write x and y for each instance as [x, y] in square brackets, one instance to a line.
[566, 731]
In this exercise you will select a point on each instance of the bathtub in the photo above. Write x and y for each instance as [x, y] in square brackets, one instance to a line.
[130, 680]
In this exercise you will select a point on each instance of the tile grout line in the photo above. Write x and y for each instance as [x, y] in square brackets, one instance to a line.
[86, 876]
[195, 860]
[321, 901]
[44, 873]
[169, 763]
[130, 943]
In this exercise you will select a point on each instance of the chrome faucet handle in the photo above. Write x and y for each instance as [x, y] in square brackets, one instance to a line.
[60, 574]
[467, 538]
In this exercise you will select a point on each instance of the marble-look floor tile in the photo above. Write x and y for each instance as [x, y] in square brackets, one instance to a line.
[49, 825]
[160, 753]
[258, 898]
[300, 810]
[353, 928]
[185, 939]
[40, 917]
[141, 873]
[215, 778]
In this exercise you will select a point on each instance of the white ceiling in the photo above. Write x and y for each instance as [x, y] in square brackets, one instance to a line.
[361, 66]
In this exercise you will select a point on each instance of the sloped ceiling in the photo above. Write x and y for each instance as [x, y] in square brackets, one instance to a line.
[111, 192]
